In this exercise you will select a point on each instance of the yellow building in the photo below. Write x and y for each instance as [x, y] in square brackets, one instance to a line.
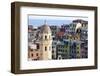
[46, 42]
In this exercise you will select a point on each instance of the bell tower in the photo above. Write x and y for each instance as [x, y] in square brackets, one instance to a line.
[46, 42]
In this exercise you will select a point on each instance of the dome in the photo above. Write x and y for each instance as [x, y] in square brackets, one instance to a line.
[45, 29]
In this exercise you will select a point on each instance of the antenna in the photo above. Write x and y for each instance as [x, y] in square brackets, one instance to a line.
[45, 22]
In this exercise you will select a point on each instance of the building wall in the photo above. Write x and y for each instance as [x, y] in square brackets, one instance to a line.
[34, 54]
[46, 46]
[62, 51]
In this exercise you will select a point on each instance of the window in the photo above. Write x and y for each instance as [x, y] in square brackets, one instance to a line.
[52, 47]
[77, 47]
[45, 48]
[32, 55]
[35, 59]
[45, 37]
[77, 52]
[37, 54]
[38, 46]
[59, 58]
[52, 51]
[58, 50]
[31, 49]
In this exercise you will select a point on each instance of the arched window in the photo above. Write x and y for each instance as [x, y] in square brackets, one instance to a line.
[38, 46]
[36, 54]
[45, 48]
[32, 55]
[45, 37]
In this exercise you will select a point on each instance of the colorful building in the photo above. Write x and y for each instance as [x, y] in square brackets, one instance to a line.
[53, 42]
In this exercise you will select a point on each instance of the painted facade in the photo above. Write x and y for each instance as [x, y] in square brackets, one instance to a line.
[70, 41]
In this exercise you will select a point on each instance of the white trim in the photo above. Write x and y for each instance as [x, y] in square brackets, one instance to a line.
[25, 64]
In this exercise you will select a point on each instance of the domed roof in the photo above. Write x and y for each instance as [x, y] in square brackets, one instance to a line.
[45, 29]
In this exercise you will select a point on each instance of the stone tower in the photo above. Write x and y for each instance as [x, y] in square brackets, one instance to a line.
[46, 42]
